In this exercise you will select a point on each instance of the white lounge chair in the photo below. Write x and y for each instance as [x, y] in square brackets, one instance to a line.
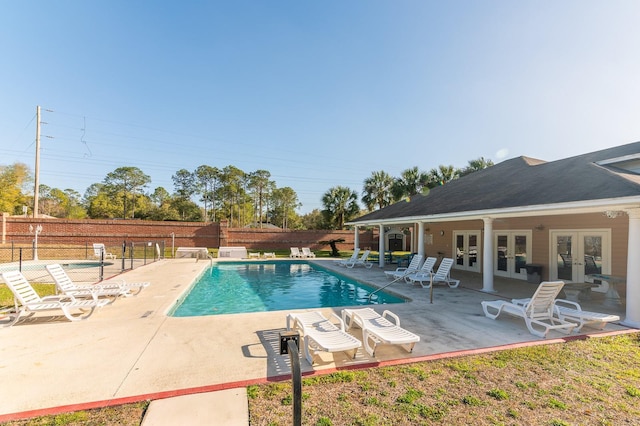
[568, 310]
[67, 287]
[377, 329]
[537, 311]
[413, 266]
[353, 258]
[320, 334]
[105, 288]
[295, 252]
[99, 248]
[29, 302]
[306, 252]
[362, 260]
[442, 275]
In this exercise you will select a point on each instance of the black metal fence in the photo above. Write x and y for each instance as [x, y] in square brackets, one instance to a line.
[82, 263]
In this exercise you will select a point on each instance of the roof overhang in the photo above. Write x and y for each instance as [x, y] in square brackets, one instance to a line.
[577, 207]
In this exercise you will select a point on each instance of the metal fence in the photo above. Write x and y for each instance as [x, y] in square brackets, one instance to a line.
[81, 263]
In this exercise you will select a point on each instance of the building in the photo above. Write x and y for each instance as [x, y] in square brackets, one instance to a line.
[567, 219]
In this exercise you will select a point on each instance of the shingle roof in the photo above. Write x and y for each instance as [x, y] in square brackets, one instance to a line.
[523, 181]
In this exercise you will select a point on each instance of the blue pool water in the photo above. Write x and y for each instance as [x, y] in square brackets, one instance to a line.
[240, 287]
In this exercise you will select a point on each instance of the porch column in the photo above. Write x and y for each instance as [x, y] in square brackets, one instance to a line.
[633, 271]
[381, 247]
[421, 238]
[487, 256]
[356, 238]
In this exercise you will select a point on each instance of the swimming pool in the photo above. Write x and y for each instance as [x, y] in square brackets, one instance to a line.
[242, 287]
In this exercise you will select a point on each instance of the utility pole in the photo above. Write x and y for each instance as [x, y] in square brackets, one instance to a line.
[36, 189]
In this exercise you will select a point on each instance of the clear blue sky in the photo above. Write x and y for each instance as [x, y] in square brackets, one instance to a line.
[319, 93]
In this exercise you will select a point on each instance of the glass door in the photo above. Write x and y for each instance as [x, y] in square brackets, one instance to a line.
[576, 254]
[513, 250]
[467, 250]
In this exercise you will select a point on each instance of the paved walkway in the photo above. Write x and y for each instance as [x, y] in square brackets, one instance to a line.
[131, 350]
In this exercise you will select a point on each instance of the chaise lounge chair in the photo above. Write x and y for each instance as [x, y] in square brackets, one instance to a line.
[442, 275]
[414, 266]
[360, 261]
[30, 302]
[99, 249]
[353, 258]
[320, 334]
[295, 252]
[306, 252]
[377, 329]
[104, 289]
[570, 311]
[537, 311]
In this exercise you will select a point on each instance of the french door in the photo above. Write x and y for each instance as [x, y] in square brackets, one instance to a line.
[512, 253]
[576, 254]
[467, 250]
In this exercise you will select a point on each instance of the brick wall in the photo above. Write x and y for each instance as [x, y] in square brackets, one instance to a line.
[185, 234]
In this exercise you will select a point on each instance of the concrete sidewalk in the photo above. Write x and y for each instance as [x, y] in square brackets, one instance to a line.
[222, 408]
[131, 351]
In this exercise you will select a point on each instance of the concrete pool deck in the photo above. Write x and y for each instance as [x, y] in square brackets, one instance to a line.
[131, 351]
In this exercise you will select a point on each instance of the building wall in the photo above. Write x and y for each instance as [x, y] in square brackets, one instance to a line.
[181, 234]
[541, 227]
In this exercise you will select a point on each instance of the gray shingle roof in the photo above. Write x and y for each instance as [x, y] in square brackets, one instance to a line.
[522, 182]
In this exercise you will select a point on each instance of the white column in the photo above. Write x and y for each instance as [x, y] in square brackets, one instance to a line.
[420, 238]
[487, 256]
[381, 247]
[633, 270]
[356, 239]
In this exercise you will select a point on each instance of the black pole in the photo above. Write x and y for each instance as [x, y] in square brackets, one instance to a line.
[296, 378]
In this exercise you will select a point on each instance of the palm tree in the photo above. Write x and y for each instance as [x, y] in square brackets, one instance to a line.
[377, 190]
[340, 205]
[442, 175]
[475, 165]
[411, 182]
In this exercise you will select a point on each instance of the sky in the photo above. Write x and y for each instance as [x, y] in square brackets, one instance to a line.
[318, 93]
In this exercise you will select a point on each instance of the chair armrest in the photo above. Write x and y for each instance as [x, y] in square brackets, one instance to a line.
[572, 304]
[392, 315]
[339, 321]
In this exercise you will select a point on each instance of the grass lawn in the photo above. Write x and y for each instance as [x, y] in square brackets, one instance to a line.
[595, 381]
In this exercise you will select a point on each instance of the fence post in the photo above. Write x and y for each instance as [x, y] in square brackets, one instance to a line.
[289, 343]
[124, 250]
[20, 262]
[102, 264]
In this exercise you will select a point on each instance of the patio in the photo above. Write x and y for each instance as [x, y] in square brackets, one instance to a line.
[131, 351]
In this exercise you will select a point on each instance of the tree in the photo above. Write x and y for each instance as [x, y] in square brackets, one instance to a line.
[232, 192]
[377, 190]
[313, 220]
[185, 184]
[283, 209]
[340, 205]
[260, 183]
[442, 175]
[475, 165]
[208, 177]
[13, 179]
[410, 182]
[124, 183]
